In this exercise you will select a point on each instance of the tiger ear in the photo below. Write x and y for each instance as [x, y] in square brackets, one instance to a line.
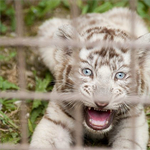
[143, 53]
[66, 32]
[144, 62]
[65, 36]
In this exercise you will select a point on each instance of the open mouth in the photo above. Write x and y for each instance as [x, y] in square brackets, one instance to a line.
[98, 119]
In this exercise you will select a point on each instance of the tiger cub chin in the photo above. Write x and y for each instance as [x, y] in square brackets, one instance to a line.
[101, 69]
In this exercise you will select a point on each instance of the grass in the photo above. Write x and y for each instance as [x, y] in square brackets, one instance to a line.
[37, 106]
[36, 12]
[9, 126]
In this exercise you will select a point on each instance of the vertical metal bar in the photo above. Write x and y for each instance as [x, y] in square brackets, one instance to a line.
[133, 4]
[74, 8]
[19, 18]
[79, 128]
[21, 67]
[78, 109]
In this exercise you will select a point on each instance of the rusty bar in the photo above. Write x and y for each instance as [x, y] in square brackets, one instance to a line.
[36, 42]
[78, 109]
[74, 8]
[26, 147]
[133, 4]
[20, 50]
[21, 67]
[79, 133]
[64, 97]
[19, 18]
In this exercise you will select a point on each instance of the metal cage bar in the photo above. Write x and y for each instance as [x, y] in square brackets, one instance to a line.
[21, 68]
[133, 4]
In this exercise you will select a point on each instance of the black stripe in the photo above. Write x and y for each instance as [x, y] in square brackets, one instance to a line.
[65, 111]
[58, 123]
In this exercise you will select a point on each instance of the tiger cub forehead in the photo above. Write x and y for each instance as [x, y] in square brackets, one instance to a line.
[105, 33]
[97, 57]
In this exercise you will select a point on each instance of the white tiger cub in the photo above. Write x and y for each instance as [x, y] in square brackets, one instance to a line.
[105, 70]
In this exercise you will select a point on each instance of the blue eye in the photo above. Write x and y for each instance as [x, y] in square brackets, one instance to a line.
[120, 75]
[87, 72]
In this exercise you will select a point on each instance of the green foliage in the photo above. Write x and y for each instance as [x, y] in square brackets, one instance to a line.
[42, 84]
[143, 9]
[66, 3]
[3, 28]
[7, 15]
[103, 6]
[10, 136]
[148, 116]
[148, 120]
[7, 121]
[38, 106]
[8, 105]
[97, 6]
[9, 57]
[32, 13]
[147, 2]
[40, 10]
[4, 85]
[9, 130]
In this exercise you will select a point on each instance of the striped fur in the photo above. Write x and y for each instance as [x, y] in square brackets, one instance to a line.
[67, 63]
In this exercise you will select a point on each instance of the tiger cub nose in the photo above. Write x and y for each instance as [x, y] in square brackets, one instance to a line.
[101, 105]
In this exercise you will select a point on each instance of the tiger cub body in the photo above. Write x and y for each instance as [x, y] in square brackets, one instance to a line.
[100, 70]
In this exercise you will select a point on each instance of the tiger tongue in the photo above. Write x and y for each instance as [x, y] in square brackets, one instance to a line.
[98, 119]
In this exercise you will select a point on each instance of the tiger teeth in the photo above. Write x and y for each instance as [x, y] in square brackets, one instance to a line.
[89, 108]
[97, 109]
[100, 110]
[104, 110]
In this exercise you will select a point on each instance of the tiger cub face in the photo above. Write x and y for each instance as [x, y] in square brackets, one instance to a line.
[105, 72]
[98, 71]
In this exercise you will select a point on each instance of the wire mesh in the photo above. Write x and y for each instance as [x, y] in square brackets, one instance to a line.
[20, 42]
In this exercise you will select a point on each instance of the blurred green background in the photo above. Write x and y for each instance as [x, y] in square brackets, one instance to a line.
[36, 11]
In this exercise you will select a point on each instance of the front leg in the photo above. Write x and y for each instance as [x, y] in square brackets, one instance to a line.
[123, 138]
[53, 130]
[50, 134]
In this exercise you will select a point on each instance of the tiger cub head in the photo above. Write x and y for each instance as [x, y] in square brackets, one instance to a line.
[100, 73]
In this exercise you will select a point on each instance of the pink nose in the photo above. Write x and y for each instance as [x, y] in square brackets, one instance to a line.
[101, 105]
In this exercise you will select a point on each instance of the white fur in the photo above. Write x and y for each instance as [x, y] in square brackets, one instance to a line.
[48, 134]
